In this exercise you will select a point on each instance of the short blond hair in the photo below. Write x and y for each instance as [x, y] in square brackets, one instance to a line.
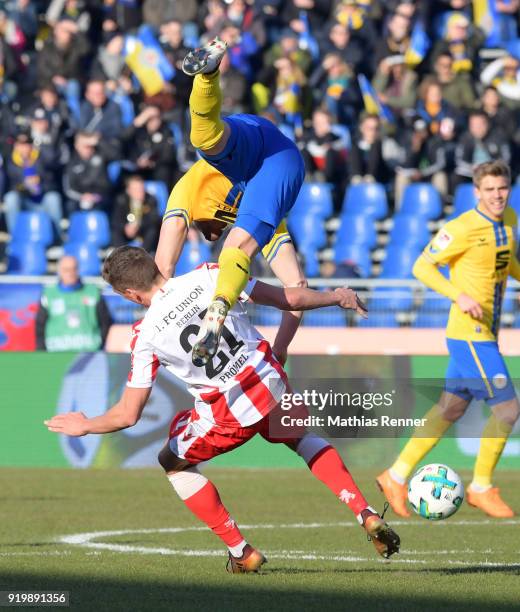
[491, 168]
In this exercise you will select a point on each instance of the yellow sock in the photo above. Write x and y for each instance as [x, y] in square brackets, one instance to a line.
[233, 274]
[205, 101]
[494, 438]
[422, 441]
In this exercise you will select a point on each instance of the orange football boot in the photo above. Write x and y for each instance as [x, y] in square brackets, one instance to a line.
[250, 561]
[489, 502]
[395, 493]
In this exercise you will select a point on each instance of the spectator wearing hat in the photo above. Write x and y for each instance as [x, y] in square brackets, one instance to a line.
[396, 84]
[478, 145]
[135, 219]
[504, 75]
[86, 182]
[56, 109]
[31, 183]
[151, 147]
[457, 88]
[461, 43]
[51, 145]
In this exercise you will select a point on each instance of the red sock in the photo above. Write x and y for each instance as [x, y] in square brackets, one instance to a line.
[206, 506]
[328, 467]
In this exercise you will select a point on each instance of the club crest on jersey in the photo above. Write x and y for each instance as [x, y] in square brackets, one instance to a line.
[441, 241]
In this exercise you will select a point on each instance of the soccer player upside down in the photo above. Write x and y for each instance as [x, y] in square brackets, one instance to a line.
[249, 177]
[229, 410]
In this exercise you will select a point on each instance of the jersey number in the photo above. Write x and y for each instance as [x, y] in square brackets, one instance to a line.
[211, 368]
[502, 260]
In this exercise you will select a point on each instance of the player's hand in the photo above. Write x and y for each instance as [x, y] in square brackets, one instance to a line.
[70, 424]
[349, 300]
[470, 306]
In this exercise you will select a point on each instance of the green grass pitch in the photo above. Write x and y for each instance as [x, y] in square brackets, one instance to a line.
[318, 558]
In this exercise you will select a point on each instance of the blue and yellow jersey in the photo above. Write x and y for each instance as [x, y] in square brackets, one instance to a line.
[480, 253]
[204, 193]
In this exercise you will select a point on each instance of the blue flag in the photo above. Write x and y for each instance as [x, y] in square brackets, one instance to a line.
[373, 104]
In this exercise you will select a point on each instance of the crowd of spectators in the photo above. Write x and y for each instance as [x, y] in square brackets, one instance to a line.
[71, 106]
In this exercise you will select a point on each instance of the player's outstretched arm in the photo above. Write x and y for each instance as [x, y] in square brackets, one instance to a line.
[124, 414]
[300, 298]
[171, 240]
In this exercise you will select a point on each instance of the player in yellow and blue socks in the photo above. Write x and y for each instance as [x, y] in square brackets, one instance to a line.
[246, 149]
[479, 247]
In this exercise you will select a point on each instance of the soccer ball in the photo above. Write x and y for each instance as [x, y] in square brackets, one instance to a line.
[435, 492]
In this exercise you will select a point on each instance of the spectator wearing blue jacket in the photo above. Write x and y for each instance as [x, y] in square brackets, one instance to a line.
[31, 183]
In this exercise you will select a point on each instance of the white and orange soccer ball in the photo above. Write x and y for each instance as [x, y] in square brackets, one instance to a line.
[435, 492]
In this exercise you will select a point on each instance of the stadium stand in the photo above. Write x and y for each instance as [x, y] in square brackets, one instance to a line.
[333, 220]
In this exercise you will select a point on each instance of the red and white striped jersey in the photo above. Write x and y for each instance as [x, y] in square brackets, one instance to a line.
[243, 381]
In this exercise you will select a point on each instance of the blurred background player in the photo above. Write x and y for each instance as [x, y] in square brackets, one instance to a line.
[266, 171]
[479, 246]
[230, 407]
[72, 316]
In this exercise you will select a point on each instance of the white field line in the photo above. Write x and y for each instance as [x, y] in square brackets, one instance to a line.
[86, 540]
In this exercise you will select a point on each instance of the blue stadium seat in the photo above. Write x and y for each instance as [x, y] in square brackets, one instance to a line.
[159, 191]
[409, 230]
[430, 319]
[192, 256]
[315, 198]
[399, 261]
[331, 316]
[514, 200]
[510, 302]
[311, 264]
[307, 231]
[356, 253]
[89, 263]
[26, 258]
[90, 227]
[367, 199]
[391, 299]
[114, 171]
[434, 302]
[121, 310]
[379, 319]
[357, 229]
[421, 199]
[33, 227]
[264, 315]
[464, 199]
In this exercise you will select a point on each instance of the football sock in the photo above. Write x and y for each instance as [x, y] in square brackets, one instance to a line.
[205, 101]
[326, 464]
[233, 274]
[420, 444]
[202, 498]
[494, 438]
